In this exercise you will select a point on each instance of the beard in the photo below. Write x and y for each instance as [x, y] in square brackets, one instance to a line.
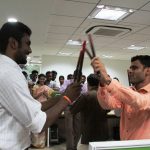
[21, 58]
[21, 61]
[21, 55]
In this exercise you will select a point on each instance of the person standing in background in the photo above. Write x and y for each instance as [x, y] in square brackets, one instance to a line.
[66, 83]
[53, 84]
[72, 121]
[94, 126]
[84, 84]
[48, 78]
[61, 80]
[42, 93]
[33, 77]
[32, 81]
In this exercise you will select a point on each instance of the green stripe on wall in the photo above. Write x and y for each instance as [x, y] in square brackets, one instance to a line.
[141, 148]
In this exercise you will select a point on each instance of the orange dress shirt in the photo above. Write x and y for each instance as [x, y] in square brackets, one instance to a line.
[135, 106]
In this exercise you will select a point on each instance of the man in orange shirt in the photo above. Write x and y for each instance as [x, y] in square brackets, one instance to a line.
[133, 101]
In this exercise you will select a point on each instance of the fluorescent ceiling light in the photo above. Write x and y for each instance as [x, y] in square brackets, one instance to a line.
[133, 47]
[12, 20]
[71, 42]
[107, 56]
[110, 13]
[65, 54]
[35, 62]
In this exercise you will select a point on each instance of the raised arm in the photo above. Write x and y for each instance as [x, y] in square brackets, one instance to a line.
[112, 93]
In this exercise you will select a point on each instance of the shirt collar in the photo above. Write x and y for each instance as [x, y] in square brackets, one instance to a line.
[10, 61]
[146, 88]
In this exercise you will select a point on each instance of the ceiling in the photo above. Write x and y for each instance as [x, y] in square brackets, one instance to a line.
[54, 22]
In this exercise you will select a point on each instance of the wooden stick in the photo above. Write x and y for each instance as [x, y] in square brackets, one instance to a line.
[78, 71]
[87, 51]
[91, 44]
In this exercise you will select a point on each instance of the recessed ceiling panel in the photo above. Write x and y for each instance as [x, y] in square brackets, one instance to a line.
[61, 30]
[72, 8]
[57, 36]
[138, 17]
[125, 3]
[145, 31]
[66, 21]
[86, 1]
[146, 7]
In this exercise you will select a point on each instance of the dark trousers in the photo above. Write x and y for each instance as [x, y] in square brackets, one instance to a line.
[73, 129]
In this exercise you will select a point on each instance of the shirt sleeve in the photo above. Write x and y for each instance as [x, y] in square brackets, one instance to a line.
[106, 100]
[16, 99]
[118, 93]
[64, 86]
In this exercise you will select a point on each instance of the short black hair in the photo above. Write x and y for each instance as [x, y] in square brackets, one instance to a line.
[61, 77]
[93, 80]
[54, 72]
[48, 72]
[144, 59]
[69, 76]
[15, 30]
[84, 76]
[41, 75]
[34, 71]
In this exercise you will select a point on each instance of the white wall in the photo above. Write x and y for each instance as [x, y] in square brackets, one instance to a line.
[66, 65]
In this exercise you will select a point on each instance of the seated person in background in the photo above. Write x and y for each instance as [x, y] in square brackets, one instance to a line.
[134, 101]
[94, 125]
